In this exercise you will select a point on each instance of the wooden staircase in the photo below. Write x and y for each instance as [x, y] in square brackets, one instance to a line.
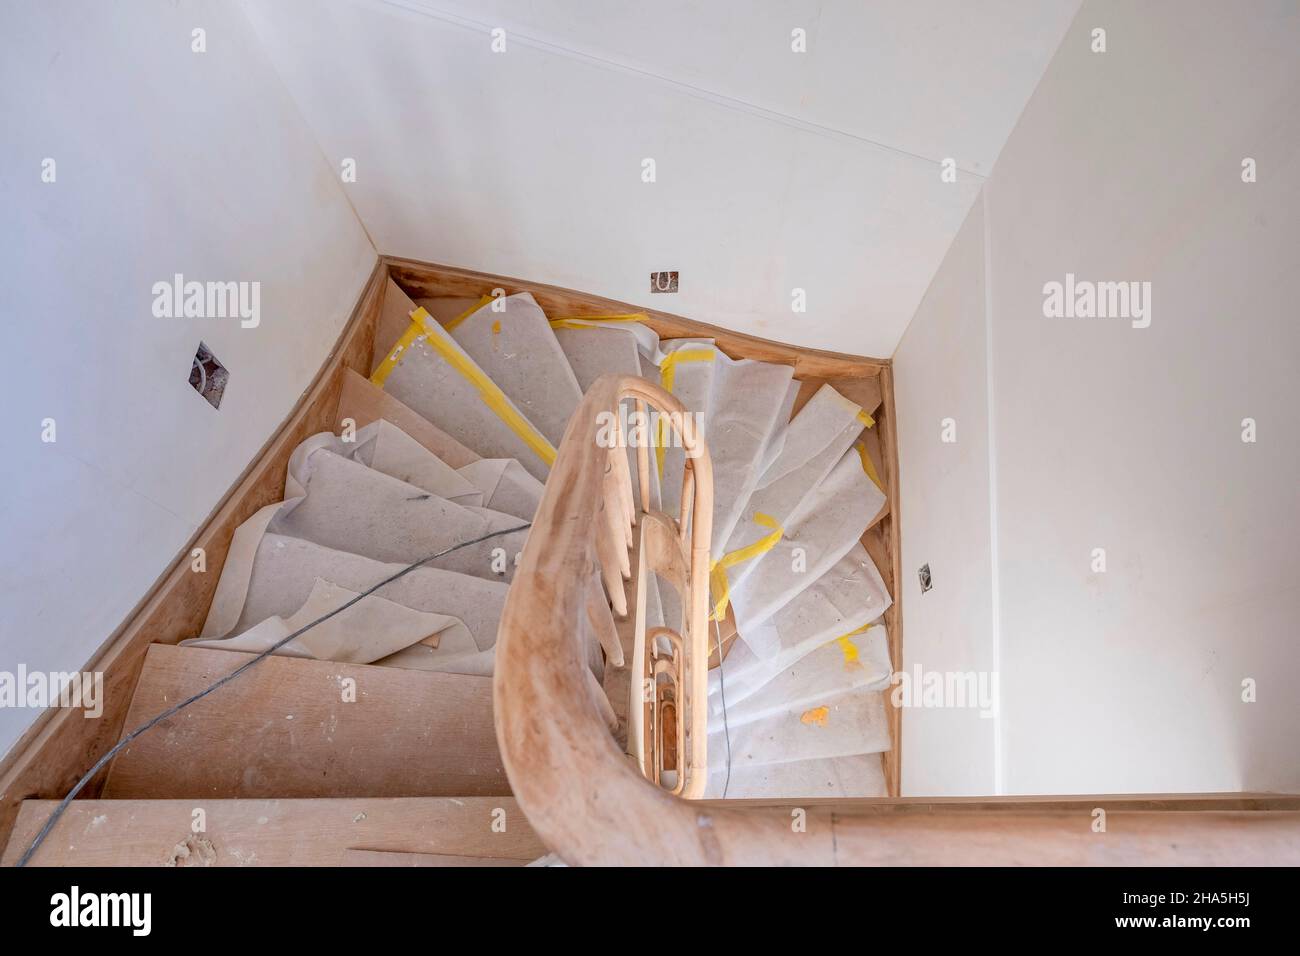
[303, 761]
[296, 762]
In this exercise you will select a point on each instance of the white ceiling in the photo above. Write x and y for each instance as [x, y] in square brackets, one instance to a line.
[776, 170]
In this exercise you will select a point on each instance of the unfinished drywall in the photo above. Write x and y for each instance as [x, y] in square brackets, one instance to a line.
[1127, 166]
[128, 156]
[524, 153]
[941, 395]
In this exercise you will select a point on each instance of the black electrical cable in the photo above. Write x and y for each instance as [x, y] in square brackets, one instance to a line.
[722, 691]
[99, 764]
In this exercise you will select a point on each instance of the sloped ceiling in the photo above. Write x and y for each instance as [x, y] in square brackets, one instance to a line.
[775, 170]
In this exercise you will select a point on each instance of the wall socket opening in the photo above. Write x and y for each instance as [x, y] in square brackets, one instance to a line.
[926, 581]
[663, 282]
[208, 377]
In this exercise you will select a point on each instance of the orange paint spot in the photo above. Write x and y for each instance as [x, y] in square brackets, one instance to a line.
[496, 327]
[817, 716]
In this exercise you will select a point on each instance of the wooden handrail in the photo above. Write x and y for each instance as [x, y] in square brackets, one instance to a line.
[591, 805]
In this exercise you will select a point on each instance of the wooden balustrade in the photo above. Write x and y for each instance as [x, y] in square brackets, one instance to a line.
[667, 705]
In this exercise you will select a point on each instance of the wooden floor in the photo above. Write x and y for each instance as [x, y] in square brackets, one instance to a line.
[278, 832]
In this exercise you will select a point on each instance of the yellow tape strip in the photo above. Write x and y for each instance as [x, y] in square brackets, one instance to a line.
[867, 465]
[718, 570]
[385, 368]
[606, 318]
[667, 376]
[867, 420]
[847, 647]
[483, 300]
[488, 390]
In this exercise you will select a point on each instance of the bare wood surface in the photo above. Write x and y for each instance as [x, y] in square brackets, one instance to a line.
[285, 729]
[321, 832]
[392, 322]
[889, 527]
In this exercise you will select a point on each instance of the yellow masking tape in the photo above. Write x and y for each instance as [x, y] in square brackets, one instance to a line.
[667, 376]
[867, 465]
[488, 391]
[385, 368]
[718, 570]
[847, 647]
[576, 321]
[668, 368]
[867, 420]
[483, 300]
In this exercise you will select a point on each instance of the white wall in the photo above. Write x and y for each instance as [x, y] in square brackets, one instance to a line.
[167, 161]
[1127, 166]
[940, 373]
[775, 170]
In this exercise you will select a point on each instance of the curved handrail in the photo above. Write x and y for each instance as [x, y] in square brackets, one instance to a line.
[582, 795]
[588, 803]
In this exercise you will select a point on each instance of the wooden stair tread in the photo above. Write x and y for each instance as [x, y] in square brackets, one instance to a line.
[283, 729]
[312, 832]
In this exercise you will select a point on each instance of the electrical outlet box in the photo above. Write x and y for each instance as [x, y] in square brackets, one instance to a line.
[208, 377]
[663, 282]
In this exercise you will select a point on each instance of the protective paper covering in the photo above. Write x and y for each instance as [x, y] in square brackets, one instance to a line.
[384, 447]
[776, 441]
[595, 349]
[450, 393]
[364, 633]
[517, 349]
[687, 373]
[827, 523]
[743, 418]
[646, 339]
[859, 776]
[504, 486]
[845, 725]
[354, 508]
[345, 526]
[852, 662]
[272, 576]
[814, 442]
[847, 597]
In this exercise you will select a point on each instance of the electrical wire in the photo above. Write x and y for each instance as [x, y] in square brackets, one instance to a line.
[171, 711]
[722, 691]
